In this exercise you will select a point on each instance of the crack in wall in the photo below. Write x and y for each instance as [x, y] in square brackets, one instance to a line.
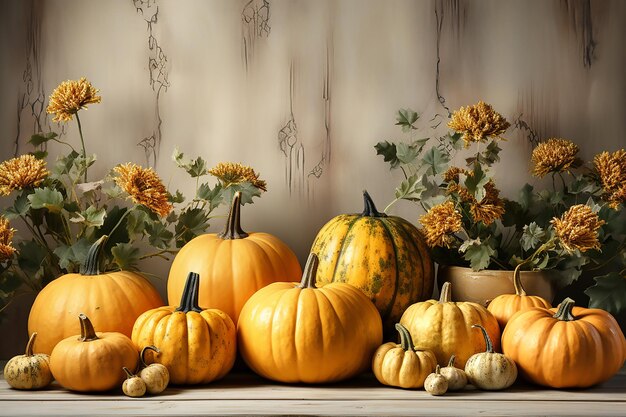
[290, 144]
[255, 18]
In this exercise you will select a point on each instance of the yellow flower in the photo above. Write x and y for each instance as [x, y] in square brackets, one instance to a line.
[439, 223]
[478, 122]
[611, 168]
[22, 172]
[554, 155]
[71, 96]
[6, 236]
[144, 187]
[230, 173]
[452, 174]
[578, 228]
[490, 208]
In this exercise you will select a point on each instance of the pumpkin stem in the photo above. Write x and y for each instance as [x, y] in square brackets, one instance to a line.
[233, 228]
[438, 370]
[451, 361]
[369, 209]
[143, 354]
[564, 311]
[487, 338]
[310, 271]
[406, 341]
[446, 290]
[189, 299]
[95, 257]
[129, 374]
[517, 281]
[87, 332]
[29, 345]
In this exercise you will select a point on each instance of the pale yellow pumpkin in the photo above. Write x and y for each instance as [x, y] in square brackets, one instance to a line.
[490, 370]
[28, 371]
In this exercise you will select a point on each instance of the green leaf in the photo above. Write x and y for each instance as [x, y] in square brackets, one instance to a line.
[212, 195]
[475, 183]
[92, 217]
[71, 257]
[410, 189]
[191, 223]
[405, 118]
[136, 222]
[30, 256]
[176, 198]
[195, 168]
[609, 293]
[114, 192]
[532, 236]
[389, 152]
[581, 184]
[63, 165]
[21, 205]
[40, 154]
[47, 198]
[40, 138]
[491, 154]
[435, 160]
[455, 140]
[248, 191]
[125, 256]
[159, 236]
[406, 153]
[479, 254]
[526, 196]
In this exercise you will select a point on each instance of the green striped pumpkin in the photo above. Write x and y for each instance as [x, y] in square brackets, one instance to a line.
[384, 256]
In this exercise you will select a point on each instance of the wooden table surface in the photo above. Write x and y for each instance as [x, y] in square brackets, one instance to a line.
[247, 394]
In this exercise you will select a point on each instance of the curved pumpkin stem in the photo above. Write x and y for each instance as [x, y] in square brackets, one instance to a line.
[517, 281]
[129, 374]
[487, 338]
[189, 299]
[87, 332]
[95, 256]
[446, 290]
[564, 311]
[369, 209]
[29, 345]
[233, 228]
[143, 354]
[451, 361]
[406, 341]
[310, 271]
[438, 370]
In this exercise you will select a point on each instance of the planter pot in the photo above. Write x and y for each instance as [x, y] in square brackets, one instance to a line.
[483, 286]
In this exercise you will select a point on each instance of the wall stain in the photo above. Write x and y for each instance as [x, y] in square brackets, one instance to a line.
[255, 18]
[537, 116]
[581, 21]
[290, 145]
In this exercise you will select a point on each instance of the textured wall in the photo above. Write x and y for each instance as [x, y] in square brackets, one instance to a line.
[302, 90]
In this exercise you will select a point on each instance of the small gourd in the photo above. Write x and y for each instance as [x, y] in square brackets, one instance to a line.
[155, 376]
[28, 371]
[436, 384]
[490, 370]
[457, 379]
[133, 386]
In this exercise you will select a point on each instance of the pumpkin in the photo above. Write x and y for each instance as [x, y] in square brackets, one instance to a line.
[155, 376]
[490, 370]
[457, 379]
[504, 306]
[197, 346]
[292, 332]
[402, 365]
[112, 300]
[566, 347]
[445, 327]
[436, 384]
[384, 256]
[92, 361]
[232, 265]
[133, 386]
[28, 371]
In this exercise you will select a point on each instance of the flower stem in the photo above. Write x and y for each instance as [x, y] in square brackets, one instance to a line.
[121, 220]
[82, 142]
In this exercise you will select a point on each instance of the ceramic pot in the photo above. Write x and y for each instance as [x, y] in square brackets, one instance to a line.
[483, 286]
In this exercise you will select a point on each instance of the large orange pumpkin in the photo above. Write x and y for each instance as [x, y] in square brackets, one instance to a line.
[232, 265]
[294, 332]
[565, 347]
[384, 256]
[112, 300]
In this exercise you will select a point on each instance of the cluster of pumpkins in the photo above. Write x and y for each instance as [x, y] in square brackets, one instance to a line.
[366, 273]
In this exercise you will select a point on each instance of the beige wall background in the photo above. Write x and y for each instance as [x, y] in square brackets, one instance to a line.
[222, 78]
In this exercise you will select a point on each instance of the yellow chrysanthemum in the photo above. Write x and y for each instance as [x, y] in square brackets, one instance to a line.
[478, 122]
[439, 223]
[71, 96]
[22, 172]
[144, 187]
[611, 168]
[6, 236]
[230, 173]
[578, 228]
[452, 174]
[490, 208]
[554, 155]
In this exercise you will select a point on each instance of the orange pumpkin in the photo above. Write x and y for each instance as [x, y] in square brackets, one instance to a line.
[294, 332]
[565, 347]
[232, 265]
[504, 306]
[196, 346]
[112, 301]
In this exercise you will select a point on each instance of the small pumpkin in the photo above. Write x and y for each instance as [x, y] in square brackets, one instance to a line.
[457, 379]
[403, 365]
[133, 385]
[92, 361]
[490, 370]
[384, 256]
[445, 327]
[436, 384]
[565, 347]
[28, 371]
[504, 306]
[232, 265]
[197, 346]
[295, 332]
[112, 301]
[155, 376]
